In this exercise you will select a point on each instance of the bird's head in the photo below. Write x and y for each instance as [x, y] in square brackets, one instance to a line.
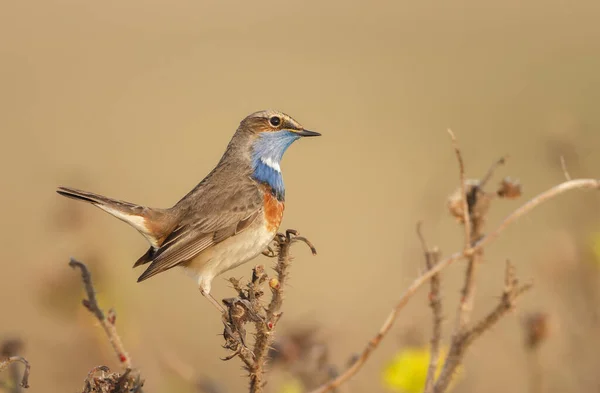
[266, 135]
[272, 132]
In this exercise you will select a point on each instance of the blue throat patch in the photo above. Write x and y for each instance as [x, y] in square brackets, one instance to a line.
[267, 153]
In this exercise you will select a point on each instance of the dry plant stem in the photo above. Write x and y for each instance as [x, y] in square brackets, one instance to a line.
[7, 362]
[419, 281]
[512, 291]
[265, 329]
[472, 228]
[491, 171]
[435, 302]
[463, 187]
[563, 165]
[108, 323]
[465, 306]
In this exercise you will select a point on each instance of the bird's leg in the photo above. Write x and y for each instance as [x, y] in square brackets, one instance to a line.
[212, 300]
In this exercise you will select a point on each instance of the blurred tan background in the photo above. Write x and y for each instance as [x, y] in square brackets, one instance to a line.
[138, 99]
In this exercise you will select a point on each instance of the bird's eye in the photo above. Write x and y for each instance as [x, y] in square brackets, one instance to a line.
[275, 121]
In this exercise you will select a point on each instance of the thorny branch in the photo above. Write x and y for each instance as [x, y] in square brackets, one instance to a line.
[7, 362]
[435, 302]
[107, 322]
[508, 190]
[107, 381]
[247, 307]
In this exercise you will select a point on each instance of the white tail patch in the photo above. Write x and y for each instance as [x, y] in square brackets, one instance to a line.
[138, 222]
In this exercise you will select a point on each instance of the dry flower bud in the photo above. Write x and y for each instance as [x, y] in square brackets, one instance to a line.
[509, 188]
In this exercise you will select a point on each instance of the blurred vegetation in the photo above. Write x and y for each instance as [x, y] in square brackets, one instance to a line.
[137, 100]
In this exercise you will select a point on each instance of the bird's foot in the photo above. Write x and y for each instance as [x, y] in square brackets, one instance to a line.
[239, 312]
[270, 252]
[291, 236]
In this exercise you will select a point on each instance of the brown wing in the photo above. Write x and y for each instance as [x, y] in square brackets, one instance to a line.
[218, 218]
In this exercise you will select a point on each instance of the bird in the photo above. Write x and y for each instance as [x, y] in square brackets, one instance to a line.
[229, 218]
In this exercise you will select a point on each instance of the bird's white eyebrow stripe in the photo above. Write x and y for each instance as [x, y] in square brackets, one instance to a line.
[268, 161]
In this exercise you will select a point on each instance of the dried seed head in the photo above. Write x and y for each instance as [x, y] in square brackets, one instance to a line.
[455, 200]
[509, 189]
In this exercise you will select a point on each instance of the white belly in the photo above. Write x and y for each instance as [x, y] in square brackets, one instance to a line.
[229, 254]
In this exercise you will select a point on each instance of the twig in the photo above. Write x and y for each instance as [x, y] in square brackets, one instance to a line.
[107, 322]
[247, 307]
[463, 186]
[435, 302]
[265, 329]
[488, 175]
[419, 281]
[563, 165]
[465, 305]
[473, 226]
[512, 291]
[5, 363]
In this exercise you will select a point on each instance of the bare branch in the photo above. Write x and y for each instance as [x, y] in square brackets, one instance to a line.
[511, 292]
[490, 173]
[419, 281]
[534, 202]
[265, 329]
[108, 323]
[247, 307]
[5, 363]
[466, 209]
[475, 227]
[435, 302]
[467, 300]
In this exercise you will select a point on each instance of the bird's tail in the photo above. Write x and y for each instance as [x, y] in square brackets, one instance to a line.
[153, 223]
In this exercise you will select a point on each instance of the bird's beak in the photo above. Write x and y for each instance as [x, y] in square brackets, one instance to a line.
[307, 133]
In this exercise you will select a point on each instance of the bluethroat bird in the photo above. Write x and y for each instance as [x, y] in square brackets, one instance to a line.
[228, 218]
